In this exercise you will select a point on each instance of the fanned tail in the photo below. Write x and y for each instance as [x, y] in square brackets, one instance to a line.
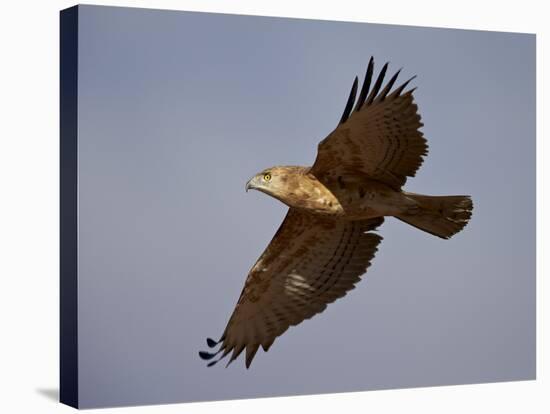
[442, 216]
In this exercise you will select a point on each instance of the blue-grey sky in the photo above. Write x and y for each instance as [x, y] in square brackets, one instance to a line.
[177, 110]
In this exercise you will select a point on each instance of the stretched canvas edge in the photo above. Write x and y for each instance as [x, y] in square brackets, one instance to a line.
[68, 288]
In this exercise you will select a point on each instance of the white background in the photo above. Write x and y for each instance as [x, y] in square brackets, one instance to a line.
[29, 193]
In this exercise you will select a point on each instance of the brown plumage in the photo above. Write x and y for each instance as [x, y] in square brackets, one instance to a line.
[325, 242]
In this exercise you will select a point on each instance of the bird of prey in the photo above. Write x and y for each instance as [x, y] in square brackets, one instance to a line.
[326, 241]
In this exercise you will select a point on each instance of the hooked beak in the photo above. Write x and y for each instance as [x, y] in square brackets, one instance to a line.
[249, 185]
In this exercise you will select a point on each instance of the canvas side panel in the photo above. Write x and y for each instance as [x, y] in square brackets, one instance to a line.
[68, 386]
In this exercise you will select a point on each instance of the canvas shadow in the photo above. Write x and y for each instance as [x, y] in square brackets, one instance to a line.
[50, 393]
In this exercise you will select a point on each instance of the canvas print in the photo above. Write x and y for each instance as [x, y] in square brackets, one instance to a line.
[174, 264]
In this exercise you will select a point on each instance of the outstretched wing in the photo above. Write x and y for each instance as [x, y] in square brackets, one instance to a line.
[379, 137]
[311, 262]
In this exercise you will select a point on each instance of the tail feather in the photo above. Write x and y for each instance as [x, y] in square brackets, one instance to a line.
[442, 216]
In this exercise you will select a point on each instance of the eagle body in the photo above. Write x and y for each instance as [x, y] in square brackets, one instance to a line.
[327, 240]
[345, 197]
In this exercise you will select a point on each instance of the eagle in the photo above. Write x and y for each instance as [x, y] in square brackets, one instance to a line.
[326, 240]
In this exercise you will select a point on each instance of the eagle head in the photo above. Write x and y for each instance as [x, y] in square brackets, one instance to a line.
[278, 182]
[292, 185]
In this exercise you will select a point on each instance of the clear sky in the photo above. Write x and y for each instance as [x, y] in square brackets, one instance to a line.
[178, 110]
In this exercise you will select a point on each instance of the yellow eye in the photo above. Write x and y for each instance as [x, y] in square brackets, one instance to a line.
[267, 177]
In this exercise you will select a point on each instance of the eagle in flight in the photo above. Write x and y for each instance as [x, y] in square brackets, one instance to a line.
[326, 241]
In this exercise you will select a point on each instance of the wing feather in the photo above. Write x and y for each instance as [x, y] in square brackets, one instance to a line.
[310, 262]
[380, 138]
